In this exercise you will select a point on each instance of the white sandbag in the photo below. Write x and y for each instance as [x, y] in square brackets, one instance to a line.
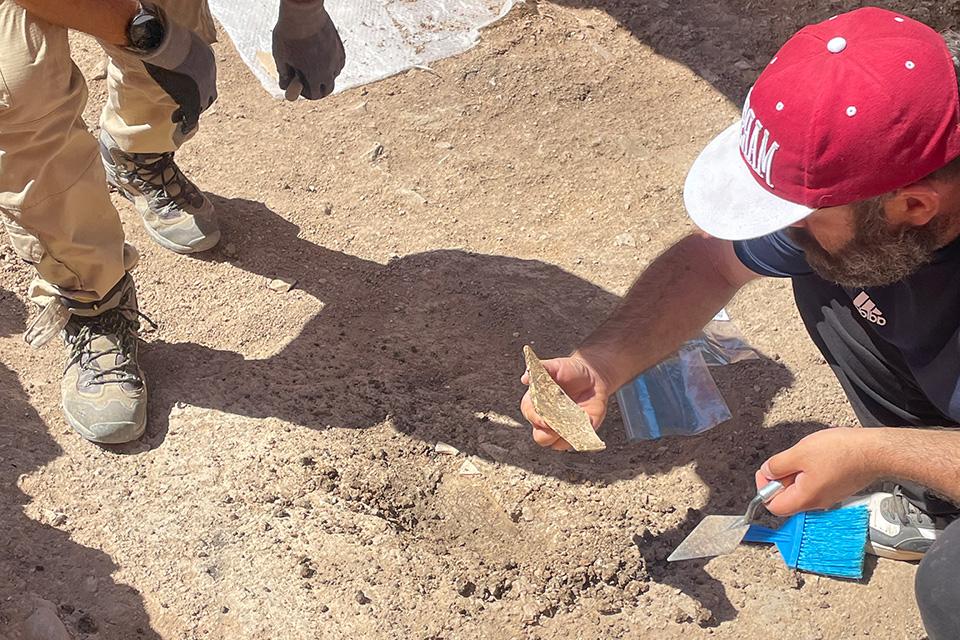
[381, 37]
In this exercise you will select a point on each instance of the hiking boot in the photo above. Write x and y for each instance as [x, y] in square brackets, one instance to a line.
[103, 391]
[175, 213]
[899, 530]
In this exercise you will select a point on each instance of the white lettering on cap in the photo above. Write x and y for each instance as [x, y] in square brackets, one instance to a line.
[755, 144]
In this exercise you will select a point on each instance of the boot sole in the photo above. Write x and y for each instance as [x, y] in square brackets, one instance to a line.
[883, 551]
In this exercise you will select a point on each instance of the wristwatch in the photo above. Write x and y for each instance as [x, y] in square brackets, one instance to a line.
[146, 30]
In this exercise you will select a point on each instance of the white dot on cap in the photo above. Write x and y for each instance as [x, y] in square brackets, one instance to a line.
[898, 19]
[779, 106]
[774, 59]
[834, 17]
[836, 45]
[851, 111]
[909, 64]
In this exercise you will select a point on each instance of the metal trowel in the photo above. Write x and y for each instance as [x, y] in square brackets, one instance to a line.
[720, 535]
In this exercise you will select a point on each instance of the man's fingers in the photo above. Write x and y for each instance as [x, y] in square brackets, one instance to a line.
[789, 501]
[783, 464]
[553, 366]
[525, 378]
[545, 437]
[526, 408]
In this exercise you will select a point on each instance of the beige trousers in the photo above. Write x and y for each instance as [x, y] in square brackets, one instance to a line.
[53, 195]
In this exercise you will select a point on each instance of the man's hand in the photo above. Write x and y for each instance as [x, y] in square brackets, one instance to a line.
[184, 66]
[307, 48]
[582, 383]
[819, 471]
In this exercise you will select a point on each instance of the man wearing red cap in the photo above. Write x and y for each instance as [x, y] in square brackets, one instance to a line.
[843, 175]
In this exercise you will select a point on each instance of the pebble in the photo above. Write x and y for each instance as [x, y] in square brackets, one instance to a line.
[44, 624]
[446, 449]
[362, 598]
[86, 625]
[466, 588]
[625, 240]
[282, 285]
[375, 152]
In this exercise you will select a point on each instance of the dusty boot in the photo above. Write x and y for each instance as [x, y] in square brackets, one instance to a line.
[103, 390]
[175, 213]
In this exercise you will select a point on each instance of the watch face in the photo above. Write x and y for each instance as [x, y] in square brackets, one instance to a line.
[146, 32]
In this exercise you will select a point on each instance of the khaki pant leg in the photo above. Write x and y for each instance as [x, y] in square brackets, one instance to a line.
[53, 195]
[138, 112]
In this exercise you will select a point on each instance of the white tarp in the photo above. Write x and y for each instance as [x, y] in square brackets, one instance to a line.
[381, 37]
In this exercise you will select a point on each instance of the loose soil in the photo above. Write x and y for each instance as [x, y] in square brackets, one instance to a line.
[288, 484]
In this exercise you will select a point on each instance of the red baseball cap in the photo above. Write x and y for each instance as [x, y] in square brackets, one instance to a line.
[849, 109]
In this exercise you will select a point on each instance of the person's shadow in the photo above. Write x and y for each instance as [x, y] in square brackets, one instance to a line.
[38, 561]
[728, 42]
[433, 342]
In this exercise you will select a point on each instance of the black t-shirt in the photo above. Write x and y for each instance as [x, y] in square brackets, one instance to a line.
[914, 323]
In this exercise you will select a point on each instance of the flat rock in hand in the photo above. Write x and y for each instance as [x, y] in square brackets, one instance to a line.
[562, 414]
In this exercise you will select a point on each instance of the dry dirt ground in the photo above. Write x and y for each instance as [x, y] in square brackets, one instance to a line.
[287, 486]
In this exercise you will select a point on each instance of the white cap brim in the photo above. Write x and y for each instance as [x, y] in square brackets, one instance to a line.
[723, 198]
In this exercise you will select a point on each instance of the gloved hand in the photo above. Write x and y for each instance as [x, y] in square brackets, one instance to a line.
[184, 66]
[307, 48]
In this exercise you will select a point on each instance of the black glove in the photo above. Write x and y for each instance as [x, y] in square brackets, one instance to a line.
[184, 66]
[307, 48]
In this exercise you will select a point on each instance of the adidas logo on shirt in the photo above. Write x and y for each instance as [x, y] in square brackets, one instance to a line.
[868, 309]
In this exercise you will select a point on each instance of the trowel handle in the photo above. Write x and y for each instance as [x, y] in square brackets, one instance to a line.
[765, 495]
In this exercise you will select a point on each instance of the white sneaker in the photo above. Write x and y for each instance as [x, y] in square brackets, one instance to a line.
[899, 530]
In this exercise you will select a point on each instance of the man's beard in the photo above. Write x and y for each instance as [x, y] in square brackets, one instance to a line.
[877, 255]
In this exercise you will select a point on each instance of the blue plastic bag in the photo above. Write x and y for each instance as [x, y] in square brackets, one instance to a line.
[679, 396]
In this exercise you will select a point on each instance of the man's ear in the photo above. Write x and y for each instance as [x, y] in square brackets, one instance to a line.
[914, 205]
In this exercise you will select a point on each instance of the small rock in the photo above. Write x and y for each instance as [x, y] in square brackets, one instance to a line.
[446, 449]
[466, 588]
[469, 469]
[531, 613]
[362, 598]
[306, 571]
[326, 209]
[681, 617]
[282, 285]
[625, 240]
[86, 625]
[743, 65]
[375, 152]
[608, 572]
[44, 624]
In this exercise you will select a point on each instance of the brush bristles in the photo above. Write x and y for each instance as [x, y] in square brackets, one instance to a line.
[834, 542]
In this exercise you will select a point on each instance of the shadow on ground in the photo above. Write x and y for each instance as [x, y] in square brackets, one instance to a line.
[37, 560]
[432, 341]
[728, 42]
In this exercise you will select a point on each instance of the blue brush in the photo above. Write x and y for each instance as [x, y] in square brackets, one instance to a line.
[831, 543]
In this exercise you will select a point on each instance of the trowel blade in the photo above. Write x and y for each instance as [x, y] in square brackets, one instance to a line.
[714, 536]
